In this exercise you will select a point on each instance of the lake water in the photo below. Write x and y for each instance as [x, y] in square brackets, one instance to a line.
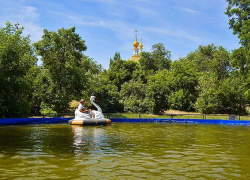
[125, 151]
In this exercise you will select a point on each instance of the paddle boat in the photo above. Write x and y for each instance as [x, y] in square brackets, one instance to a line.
[85, 119]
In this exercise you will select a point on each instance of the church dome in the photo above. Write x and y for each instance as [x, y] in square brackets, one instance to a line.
[136, 44]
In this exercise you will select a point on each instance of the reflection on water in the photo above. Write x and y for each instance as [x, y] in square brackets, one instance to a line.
[91, 138]
[125, 151]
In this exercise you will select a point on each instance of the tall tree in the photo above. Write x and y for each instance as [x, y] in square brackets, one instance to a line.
[239, 14]
[183, 83]
[158, 59]
[159, 90]
[161, 56]
[117, 56]
[211, 59]
[106, 93]
[17, 71]
[227, 96]
[133, 95]
[62, 56]
[121, 71]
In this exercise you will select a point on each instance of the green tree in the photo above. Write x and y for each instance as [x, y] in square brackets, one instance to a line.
[228, 96]
[116, 57]
[62, 56]
[43, 91]
[184, 80]
[17, 71]
[208, 101]
[141, 75]
[211, 59]
[121, 71]
[174, 88]
[240, 62]
[158, 59]
[106, 93]
[162, 56]
[80, 82]
[213, 67]
[133, 96]
[159, 90]
[238, 12]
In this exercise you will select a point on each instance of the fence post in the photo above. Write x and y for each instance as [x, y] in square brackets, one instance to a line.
[139, 115]
[172, 116]
[239, 117]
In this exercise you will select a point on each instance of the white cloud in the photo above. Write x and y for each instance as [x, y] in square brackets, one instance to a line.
[187, 10]
[120, 6]
[145, 11]
[117, 14]
[176, 32]
[143, 1]
[100, 1]
[121, 29]
[27, 16]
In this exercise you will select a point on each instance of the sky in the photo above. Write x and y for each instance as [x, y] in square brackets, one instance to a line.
[108, 26]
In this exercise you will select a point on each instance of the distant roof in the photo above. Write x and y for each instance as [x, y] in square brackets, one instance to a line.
[135, 58]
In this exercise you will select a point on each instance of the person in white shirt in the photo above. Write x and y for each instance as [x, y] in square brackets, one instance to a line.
[82, 109]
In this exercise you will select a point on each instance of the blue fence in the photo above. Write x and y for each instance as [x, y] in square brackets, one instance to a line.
[17, 121]
[193, 121]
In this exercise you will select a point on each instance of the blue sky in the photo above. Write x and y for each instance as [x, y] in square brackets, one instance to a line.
[108, 26]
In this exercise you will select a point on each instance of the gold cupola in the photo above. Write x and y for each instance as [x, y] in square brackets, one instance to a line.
[136, 43]
[141, 45]
[136, 55]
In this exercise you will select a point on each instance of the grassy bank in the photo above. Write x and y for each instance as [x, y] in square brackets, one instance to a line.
[145, 116]
[175, 116]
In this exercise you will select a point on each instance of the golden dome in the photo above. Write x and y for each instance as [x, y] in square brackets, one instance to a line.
[141, 46]
[136, 44]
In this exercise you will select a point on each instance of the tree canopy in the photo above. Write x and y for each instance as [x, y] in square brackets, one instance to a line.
[209, 79]
[17, 71]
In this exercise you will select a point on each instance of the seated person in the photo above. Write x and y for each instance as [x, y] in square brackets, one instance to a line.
[82, 109]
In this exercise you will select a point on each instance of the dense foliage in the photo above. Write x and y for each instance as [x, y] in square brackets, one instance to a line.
[17, 71]
[209, 79]
[66, 71]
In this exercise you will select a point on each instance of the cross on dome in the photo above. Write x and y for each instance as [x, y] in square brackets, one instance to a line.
[136, 43]
[137, 47]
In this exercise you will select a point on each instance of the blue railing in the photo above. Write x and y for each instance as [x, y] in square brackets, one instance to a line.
[139, 118]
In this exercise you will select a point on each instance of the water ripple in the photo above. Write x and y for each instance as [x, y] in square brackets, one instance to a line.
[125, 151]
